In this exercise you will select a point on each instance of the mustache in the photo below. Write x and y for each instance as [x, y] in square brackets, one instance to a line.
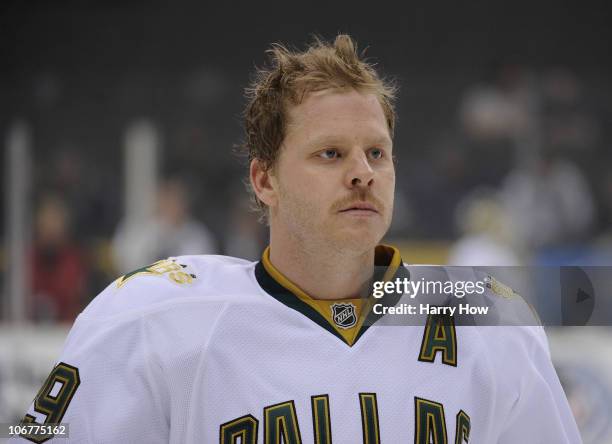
[359, 196]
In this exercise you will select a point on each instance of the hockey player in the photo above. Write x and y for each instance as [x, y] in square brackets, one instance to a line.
[203, 349]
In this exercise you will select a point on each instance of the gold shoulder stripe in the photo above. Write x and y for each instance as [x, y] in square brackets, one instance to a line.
[168, 267]
[500, 289]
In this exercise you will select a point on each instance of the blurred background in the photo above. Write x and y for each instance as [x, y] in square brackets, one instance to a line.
[120, 123]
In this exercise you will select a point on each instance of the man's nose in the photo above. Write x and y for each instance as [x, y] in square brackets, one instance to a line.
[360, 172]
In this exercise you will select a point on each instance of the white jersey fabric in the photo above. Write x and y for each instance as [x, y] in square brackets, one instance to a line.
[209, 349]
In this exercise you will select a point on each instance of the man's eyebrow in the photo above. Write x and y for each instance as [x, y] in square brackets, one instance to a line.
[382, 140]
[326, 140]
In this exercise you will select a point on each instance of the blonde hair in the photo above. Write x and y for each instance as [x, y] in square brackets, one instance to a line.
[291, 76]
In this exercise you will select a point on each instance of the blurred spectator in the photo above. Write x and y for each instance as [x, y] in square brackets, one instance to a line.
[432, 187]
[172, 232]
[59, 272]
[568, 125]
[501, 107]
[486, 236]
[550, 202]
[603, 243]
[499, 121]
[89, 192]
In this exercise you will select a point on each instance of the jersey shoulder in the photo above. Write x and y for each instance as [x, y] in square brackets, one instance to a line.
[513, 323]
[211, 279]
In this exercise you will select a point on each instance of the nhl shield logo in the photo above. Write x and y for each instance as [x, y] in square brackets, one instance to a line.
[344, 315]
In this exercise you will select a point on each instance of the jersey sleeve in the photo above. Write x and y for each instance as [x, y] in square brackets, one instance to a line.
[106, 385]
[540, 413]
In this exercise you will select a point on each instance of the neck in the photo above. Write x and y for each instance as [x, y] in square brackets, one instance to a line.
[323, 272]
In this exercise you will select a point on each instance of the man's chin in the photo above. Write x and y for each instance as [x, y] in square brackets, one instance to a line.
[357, 239]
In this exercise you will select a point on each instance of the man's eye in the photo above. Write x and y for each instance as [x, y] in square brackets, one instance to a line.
[376, 153]
[329, 154]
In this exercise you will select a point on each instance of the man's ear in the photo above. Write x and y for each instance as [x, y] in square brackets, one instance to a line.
[263, 183]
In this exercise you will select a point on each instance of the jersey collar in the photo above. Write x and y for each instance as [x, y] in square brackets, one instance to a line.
[388, 266]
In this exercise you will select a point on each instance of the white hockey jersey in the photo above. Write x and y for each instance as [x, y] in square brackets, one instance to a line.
[213, 349]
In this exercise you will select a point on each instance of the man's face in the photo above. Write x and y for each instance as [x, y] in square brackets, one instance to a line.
[334, 179]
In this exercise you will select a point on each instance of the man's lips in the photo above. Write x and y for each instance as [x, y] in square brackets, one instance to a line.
[360, 206]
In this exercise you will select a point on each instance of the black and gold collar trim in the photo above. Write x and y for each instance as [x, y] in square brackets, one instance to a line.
[388, 266]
